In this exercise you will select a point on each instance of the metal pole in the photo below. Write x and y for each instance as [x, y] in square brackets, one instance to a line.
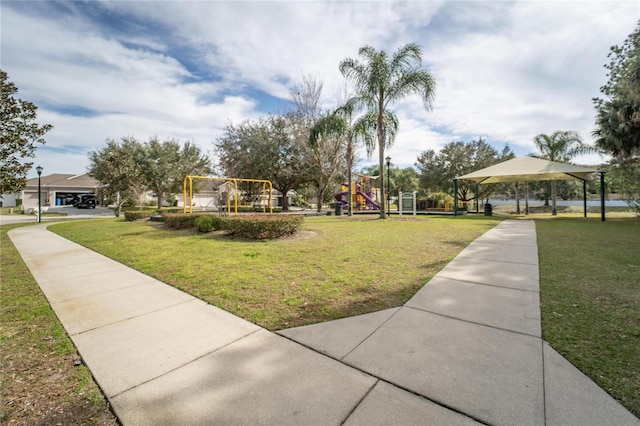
[39, 170]
[602, 194]
[584, 196]
[388, 185]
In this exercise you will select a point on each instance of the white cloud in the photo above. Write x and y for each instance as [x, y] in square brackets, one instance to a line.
[505, 70]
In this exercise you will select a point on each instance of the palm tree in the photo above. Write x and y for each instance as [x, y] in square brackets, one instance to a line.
[561, 146]
[380, 80]
[341, 123]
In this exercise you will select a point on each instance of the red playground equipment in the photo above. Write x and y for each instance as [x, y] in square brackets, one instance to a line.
[364, 195]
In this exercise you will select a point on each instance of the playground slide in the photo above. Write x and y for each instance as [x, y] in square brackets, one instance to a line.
[370, 201]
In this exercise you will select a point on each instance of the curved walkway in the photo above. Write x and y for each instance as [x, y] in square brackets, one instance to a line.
[466, 349]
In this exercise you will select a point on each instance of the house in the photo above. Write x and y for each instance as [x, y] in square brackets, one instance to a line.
[57, 189]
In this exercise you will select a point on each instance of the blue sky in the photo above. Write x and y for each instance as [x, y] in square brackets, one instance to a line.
[505, 71]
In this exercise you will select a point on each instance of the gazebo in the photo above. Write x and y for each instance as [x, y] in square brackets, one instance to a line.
[528, 169]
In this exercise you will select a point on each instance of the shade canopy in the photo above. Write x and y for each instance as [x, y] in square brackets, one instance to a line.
[528, 169]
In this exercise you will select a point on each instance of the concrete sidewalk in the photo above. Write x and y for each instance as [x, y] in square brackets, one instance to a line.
[465, 349]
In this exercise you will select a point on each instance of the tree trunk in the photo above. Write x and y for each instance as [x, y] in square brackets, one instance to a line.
[546, 196]
[285, 200]
[381, 143]
[321, 191]
[349, 177]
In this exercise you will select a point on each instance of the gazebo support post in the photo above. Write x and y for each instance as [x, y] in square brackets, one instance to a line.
[455, 197]
[584, 195]
[602, 193]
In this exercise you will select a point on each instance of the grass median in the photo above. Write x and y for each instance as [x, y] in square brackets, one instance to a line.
[590, 297]
[39, 380]
[334, 268]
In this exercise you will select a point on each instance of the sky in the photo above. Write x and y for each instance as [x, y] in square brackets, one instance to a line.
[505, 71]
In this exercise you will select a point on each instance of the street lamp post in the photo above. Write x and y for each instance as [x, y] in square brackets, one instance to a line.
[388, 186]
[39, 170]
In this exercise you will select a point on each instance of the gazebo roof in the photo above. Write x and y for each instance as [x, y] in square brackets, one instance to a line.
[528, 169]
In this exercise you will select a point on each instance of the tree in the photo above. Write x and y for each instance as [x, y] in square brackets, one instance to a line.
[325, 152]
[561, 146]
[342, 125]
[380, 81]
[624, 176]
[438, 170]
[618, 116]
[271, 148]
[115, 167]
[243, 150]
[164, 165]
[19, 134]
[404, 180]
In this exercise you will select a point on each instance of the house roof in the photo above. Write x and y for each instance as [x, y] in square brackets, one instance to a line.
[61, 179]
[528, 169]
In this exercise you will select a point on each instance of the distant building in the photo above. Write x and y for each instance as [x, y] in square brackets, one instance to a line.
[57, 189]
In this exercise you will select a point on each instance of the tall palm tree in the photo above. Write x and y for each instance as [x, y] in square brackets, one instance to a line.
[380, 80]
[561, 146]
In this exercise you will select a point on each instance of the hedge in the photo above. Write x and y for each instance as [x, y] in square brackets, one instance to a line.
[262, 226]
[182, 220]
[253, 226]
[134, 215]
[208, 223]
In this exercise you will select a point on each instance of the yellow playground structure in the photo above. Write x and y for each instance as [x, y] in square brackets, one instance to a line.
[364, 195]
[232, 188]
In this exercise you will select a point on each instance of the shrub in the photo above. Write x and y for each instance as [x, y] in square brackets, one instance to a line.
[262, 226]
[208, 223]
[180, 220]
[133, 215]
[187, 220]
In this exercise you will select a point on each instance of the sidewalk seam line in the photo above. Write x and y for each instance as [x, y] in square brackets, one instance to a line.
[99, 293]
[479, 283]
[359, 402]
[371, 334]
[461, 256]
[380, 379]
[186, 363]
[471, 322]
[135, 316]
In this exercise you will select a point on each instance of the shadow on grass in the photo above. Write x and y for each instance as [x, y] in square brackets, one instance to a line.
[369, 300]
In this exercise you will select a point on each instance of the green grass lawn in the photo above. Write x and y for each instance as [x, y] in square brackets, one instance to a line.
[589, 275]
[336, 267]
[38, 379]
[590, 296]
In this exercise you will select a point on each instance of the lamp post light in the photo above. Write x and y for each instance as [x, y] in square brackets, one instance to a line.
[388, 159]
[39, 170]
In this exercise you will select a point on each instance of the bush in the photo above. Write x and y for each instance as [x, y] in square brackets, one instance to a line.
[208, 223]
[132, 216]
[262, 226]
[181, 220]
